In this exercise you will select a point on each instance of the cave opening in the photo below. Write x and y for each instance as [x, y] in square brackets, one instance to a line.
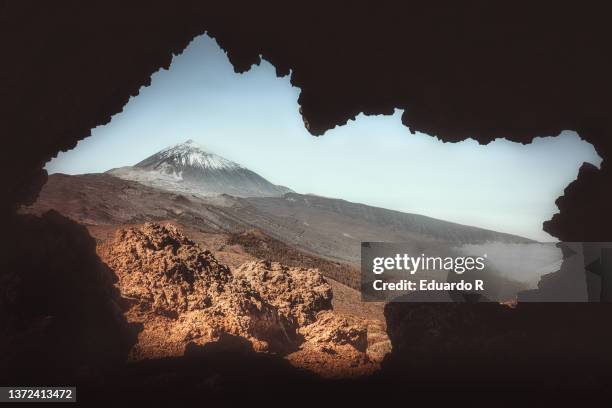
[457, 72]
[226, 153]
[253, 119]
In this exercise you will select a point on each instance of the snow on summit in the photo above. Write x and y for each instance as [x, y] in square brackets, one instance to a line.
[192, 154]
[188, 168]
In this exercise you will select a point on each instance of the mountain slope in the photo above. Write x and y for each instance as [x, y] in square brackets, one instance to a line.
[188, 168]
[327, 227]
[335, 228]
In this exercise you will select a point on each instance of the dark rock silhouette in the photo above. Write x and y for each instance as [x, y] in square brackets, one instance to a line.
[528, 349]
[583, 208]
[60, 313]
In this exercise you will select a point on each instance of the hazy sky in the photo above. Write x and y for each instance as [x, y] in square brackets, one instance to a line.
[253, 119]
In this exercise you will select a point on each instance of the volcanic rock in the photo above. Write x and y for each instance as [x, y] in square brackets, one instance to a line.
[180, 294]
[297, 293]
[334, 346]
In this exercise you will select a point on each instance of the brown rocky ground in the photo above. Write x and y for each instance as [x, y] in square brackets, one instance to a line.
[180, 294]
[234, 250]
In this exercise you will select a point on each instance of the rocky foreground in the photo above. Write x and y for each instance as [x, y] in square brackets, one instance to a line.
[178, 293]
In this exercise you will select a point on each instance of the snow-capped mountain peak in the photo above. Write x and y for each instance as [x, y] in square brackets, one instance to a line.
[188, 168]
[192, 154]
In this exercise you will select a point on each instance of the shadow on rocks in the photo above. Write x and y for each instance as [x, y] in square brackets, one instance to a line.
[59, 311]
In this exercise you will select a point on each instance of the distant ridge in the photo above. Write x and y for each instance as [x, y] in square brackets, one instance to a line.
[332, 229]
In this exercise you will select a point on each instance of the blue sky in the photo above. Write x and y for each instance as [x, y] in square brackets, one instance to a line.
[253, 119]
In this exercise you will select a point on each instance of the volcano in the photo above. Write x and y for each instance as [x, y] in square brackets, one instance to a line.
[188, 168]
